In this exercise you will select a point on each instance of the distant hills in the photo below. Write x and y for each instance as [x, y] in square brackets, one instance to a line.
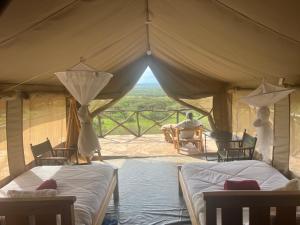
[147, 85]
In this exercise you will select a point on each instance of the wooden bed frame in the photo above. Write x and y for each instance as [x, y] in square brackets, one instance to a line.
[232, 203]
[187, 198]
[20, 211]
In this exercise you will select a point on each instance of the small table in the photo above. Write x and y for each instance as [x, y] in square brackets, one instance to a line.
[218, 136]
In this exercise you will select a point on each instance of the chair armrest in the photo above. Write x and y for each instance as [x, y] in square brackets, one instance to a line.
[52, 161]
[64, 149]
[229, 141]
[237, 149]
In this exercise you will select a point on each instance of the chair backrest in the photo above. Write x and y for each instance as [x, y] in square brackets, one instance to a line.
[193, 130]
[249, 141]
[42, 149]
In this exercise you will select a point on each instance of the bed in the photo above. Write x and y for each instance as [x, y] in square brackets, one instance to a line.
[83, 195]
[202, 187]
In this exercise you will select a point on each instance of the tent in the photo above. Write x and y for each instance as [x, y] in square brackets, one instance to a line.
[196, 49]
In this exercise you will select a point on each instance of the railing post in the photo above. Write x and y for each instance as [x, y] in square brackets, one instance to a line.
[139, 130]
[100, 126]
[138, 123]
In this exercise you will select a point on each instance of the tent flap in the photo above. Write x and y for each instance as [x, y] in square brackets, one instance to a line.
[14, 129]
[222, 111]
[177, 83]
[281, 149]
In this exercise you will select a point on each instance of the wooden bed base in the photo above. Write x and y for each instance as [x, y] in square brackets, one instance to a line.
[22, 211]
[113, 189]
[259, 203]
[187, 198]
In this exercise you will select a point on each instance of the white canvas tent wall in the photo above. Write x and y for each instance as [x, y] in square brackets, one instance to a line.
[225, 43]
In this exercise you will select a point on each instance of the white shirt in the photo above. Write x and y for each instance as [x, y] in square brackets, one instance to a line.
[188, 124]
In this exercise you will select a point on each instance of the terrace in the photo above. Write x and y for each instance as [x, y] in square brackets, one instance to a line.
[138, 134]
[148, 145]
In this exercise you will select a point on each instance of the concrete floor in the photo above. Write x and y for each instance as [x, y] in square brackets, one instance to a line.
[148, 179]
[148, 189]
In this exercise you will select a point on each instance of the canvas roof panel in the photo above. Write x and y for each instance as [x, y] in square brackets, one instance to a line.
[237, 42]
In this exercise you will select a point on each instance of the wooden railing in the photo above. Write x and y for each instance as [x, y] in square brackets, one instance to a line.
[138, 127]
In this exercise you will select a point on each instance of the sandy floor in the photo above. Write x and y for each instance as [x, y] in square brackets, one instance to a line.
[145, 146]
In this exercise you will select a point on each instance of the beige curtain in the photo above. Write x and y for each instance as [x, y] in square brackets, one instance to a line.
[44, 115]
[121, 83]
[14, 127]
[187, 86]
[98, 103]
[205, 104]
[294, 133]
[4, 169]
[181, 84]
[222, 111]
[281, 139]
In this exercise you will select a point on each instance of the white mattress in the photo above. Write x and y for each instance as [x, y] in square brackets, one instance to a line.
[204, 177]
[89, 183]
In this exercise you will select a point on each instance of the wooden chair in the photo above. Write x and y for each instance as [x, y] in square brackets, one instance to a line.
[44, 154]
[169, 132]
[196, 140]
[66, 151]
[243, 149]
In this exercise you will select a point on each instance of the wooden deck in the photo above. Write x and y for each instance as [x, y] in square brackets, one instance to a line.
[146, 146]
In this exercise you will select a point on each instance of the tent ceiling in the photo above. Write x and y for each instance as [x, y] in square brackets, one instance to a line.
[238, 42]
[281, 17]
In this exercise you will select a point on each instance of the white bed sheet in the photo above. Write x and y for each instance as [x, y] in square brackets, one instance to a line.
[89, 183]
[204, 177]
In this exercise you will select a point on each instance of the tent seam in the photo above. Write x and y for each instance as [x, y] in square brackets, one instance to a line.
[32, 26]
[256, 22]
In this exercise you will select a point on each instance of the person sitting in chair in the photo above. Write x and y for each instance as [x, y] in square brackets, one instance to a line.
[188, 123]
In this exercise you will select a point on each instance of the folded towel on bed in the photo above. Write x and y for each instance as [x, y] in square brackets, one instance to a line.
[241, 185]
[47, 184]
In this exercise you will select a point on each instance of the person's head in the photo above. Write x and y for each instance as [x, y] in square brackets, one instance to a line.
[189, 115]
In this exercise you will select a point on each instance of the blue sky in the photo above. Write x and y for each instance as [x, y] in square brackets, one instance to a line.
[147, 77]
